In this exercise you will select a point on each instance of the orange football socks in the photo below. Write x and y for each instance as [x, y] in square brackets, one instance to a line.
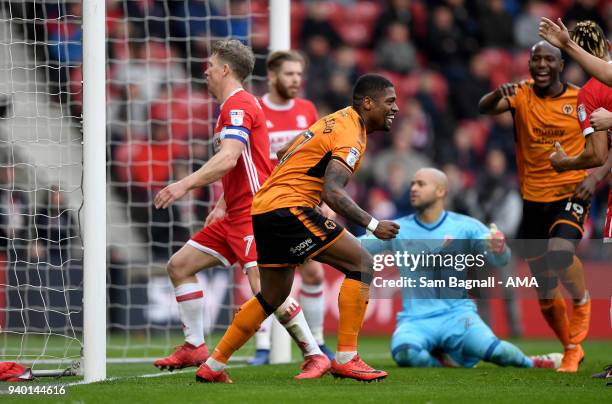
[554, 311]
[246, 322]
[352, 304]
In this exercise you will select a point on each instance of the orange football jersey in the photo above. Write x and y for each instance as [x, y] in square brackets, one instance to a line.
[297, 180]
[539, 122]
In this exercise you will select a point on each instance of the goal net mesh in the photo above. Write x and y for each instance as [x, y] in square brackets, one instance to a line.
[160, 121]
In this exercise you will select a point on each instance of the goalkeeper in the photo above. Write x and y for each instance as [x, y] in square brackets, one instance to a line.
[439, 326]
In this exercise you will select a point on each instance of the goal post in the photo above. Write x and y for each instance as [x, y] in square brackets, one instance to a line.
[94, 190]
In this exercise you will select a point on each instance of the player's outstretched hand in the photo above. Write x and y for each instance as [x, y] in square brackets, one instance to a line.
[168, 195]
[586, 188]
[507, 89]
[557, 157]
[601, 119]
[496, 240]
[215, 215]
[386, 230]
[557, 35]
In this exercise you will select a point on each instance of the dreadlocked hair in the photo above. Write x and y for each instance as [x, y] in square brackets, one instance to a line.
[590, 37]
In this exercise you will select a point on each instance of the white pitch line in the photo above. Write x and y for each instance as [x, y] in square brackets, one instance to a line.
[145, 376]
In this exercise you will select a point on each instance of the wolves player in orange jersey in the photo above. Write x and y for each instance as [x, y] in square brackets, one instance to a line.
[287, 116]
[593, 96]
[544, 111]
[242, 163]
[290, 229]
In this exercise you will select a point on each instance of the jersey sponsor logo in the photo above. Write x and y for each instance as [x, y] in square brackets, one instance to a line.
[236, 117]
[353, 157]
[301, 121]
[302, 247]
[582, 116]
[568, 109]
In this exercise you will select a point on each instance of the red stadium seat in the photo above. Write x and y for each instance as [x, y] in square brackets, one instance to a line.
[364, 59]
[500, 65]
[188, 113]
[355, 24]
[479, 130]
[520, 69]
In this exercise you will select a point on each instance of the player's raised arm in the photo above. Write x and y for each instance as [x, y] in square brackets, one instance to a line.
[559, 36]
[496, 102]
[215, 168]
[334, 194]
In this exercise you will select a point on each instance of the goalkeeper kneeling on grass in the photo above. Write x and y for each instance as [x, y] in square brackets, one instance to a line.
[439, 324]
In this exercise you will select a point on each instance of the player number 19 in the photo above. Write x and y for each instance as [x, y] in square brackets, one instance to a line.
[576, 206]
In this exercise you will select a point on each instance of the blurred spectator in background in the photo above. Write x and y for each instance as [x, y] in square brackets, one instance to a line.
[320, 68]
[583, 10]
[395, 52]
[346, 63]
[149, 67]
[56, 230]
[146, 167]
[527, 23]
[496, 25]
[463, 13]
[467, 157]
[421, 139]
[14, 216]
[607, 14]
[501, 137]
[56, 260]
[495, 199]
[65, 49]
[466, 93]
[316, 23]
[339, 88]
[396, 11]
[401, 156]
[446, 44]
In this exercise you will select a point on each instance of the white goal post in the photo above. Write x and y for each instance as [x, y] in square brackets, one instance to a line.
[94, 190]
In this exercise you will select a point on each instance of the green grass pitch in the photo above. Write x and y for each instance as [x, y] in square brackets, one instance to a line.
[272, 384]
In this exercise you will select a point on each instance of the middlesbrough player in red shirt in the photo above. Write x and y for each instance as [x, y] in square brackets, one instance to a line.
[287, 116]
[242, 163]
[592, 99]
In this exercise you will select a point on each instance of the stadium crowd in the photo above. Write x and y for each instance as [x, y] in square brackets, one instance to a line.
[442, 55]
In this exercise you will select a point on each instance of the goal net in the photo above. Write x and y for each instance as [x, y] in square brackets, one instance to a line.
[159, 128]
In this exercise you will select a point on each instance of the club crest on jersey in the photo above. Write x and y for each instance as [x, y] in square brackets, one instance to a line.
[236, 117]
[353, 157]
[301, 121]
[568, 109]
[581, 113]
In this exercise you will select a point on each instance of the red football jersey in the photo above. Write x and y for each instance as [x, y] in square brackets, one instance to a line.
[242, 118]
[593, 95]
[284, 122]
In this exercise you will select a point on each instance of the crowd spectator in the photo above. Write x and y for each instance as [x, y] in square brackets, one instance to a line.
[395, 52]
[496, 25]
